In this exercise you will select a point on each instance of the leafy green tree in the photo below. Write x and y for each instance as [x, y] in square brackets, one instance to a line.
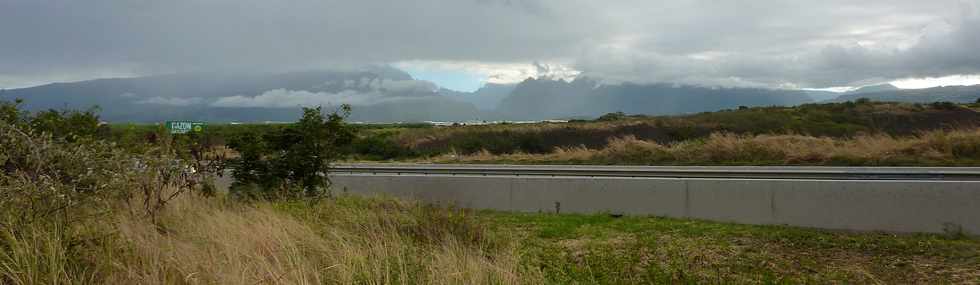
[10, 112]
[70, 125]
[616, 116]
[293, 161]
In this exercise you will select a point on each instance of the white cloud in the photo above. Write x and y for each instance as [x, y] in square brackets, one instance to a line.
[405, 86]
[495, 72]
[282, 98]
[364, 91]
[955, 80]
[169, 101]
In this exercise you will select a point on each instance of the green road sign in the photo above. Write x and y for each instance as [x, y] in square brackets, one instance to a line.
[183, 127]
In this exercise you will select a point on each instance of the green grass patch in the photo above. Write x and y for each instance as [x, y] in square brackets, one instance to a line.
[604, 249]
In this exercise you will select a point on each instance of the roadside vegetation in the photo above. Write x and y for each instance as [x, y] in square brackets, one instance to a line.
[78, 207]
[934, 148]
[850, 133]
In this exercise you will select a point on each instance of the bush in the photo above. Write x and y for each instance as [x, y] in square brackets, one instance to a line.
[44, 178]
[10, 113]
[59, 186]
[616, 116]
[966, 148]
[70, 125]
[945, 105]
[293, 161]
[379, 147]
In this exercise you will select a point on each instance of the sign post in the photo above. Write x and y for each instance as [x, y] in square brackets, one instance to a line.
[185, 127]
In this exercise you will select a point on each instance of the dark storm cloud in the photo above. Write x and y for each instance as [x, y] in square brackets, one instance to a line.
[768, 43]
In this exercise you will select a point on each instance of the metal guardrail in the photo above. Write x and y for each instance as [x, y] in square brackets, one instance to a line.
[730, 172]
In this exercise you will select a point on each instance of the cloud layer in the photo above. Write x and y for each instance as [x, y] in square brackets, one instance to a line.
[282, 98]
[365, 91]
[770, 43]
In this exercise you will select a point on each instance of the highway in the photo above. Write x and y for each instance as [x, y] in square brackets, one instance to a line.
[730, 172]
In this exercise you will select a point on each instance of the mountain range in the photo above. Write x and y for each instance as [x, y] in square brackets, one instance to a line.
[585, 97]
[386, 94]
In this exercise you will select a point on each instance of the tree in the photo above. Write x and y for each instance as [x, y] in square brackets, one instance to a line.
[10, 112]
[616, 116]
[69, 125]
[293, 161]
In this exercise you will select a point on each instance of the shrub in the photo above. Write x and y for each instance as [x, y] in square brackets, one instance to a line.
[10, 113]
[633, 151]
[43, 179]
[615, 116]
[379, 147]
[293, 161]
[944, 105]
[966, 148]
[57, 192]
[70, 125]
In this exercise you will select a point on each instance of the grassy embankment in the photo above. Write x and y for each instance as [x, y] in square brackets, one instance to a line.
[377, 240]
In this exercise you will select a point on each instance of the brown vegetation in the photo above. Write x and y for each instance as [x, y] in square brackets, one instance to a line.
[215, 241]
[836, 120]
[931, 148]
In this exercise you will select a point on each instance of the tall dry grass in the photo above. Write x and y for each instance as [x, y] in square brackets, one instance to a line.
[959, 147]
[216, 241]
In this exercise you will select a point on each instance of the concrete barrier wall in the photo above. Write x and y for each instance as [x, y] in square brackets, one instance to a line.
[899, 206]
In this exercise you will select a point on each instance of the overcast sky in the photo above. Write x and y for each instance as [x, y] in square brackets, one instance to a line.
[778, 43]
